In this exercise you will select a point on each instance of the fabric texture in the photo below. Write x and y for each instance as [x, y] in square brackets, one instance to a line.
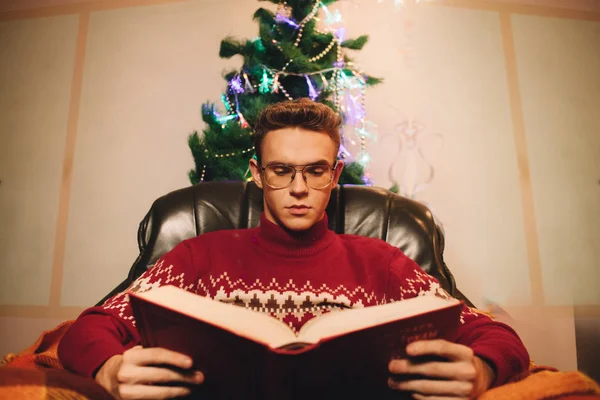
[44, 352]
[539, 383]
[37, 374]
[44, 384]
[293, 277]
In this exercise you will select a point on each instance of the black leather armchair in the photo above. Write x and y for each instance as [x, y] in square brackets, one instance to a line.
[359, 210]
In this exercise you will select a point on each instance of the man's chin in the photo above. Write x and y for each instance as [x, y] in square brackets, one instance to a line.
[298, 223]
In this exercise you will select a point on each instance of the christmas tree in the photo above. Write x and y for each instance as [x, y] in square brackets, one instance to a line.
[300, 52]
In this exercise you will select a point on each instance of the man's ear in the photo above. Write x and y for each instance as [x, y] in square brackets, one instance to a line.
[256, 172]
[337, 172]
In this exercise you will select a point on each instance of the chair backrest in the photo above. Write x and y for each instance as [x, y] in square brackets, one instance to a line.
[359, 210]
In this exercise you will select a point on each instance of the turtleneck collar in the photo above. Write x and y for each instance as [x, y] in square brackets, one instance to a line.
[275, 239]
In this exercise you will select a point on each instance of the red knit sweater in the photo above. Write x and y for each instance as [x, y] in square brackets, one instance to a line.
[292, 277]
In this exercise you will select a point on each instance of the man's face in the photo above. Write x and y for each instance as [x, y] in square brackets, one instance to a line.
[298, 206]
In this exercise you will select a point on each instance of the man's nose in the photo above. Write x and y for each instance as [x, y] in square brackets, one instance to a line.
[298, 184]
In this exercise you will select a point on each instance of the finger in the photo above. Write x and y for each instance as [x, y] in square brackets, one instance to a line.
[440, 347]
[152, 392]
[156, 356]
[418, 396]
[148, 375]
[433, 388]
[460, 371]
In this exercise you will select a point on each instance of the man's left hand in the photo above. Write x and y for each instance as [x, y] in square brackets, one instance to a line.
[438, 369]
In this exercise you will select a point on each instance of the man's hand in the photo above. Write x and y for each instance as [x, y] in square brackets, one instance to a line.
[152, 373]
[438, 369]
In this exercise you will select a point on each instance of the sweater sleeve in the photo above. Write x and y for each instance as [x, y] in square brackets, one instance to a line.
[104, 331]
[495, 342]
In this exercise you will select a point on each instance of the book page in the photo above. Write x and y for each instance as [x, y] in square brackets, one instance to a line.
[253, 325]
[340, 322]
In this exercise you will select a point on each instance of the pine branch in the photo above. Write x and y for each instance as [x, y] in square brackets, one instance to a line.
[352, 174]
[322, 38]
[229, 75]
[264, 16]
[209, 118]
[231, 47]
[292, 52]
[356, 44]
[193, 175]
[371, 80]
[194, 142]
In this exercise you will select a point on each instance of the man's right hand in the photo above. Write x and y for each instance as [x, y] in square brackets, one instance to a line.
[151, 373]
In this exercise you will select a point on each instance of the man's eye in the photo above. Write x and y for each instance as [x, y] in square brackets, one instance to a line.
[317, 171]
[280, 171]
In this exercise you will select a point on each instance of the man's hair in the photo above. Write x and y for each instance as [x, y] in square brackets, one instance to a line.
[302, 113]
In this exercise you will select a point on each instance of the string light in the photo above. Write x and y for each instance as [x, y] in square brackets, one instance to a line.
[312, 93]
[286, 73]
[275, 88]
[287, 20]
[236, 85]
[324, 81]
[225, 118]
[330, 18]
[243, 123]
[340, 34]
[281, 9]
[265, 83]
[364, 159]
[247, 83]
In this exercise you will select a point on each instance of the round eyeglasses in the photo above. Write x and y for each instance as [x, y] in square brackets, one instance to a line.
[281, 176]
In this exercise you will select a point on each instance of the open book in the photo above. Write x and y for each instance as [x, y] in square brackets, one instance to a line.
[264, 357]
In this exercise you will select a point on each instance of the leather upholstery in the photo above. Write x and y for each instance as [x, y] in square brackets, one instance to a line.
[359, 210]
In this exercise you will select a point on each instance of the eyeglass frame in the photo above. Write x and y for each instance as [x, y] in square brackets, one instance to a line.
[332, 174]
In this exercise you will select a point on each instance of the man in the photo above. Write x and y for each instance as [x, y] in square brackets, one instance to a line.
[291, 252]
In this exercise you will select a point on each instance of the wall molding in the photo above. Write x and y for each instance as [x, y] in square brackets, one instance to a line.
[60, 236]
[534, 262]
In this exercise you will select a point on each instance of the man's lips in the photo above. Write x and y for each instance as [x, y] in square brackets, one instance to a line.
[298, 209]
